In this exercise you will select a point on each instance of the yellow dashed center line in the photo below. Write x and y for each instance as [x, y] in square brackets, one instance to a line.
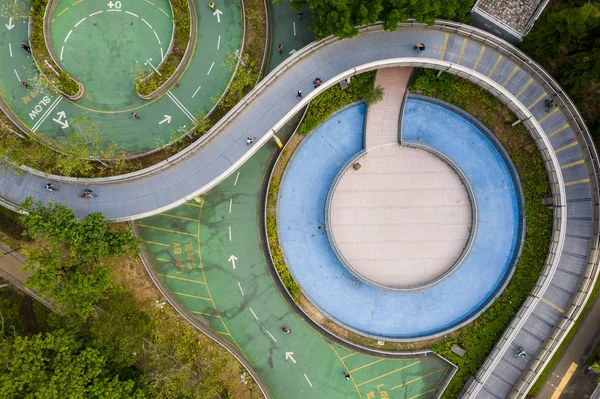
[572, 164]
[62, 12]
[386, 374]
[164, 12]
[495, 65]
[149, 2]
[553, 306]
[571, 183]
[77, 2]
[564, 381]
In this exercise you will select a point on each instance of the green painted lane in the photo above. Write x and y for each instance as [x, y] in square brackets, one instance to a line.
[104, 44]
[110, 99]
[226, 285]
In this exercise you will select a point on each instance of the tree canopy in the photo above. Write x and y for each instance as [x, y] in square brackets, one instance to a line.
[70, 259]
[341, 17]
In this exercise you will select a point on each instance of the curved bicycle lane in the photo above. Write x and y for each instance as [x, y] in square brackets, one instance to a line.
[74, 23]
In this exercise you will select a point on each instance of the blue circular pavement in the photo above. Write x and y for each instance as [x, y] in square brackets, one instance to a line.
[374, 311]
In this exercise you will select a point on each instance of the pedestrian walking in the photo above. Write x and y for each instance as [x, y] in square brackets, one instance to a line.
[25, 84]
[420, 48]
[520, 353]
[280, 48]
[317, 82]
[134, 115]
[211, 5]
[286, 330]
[26, 48]
[347, 376]
[300, 14]
[299, 94]
[250, 140]
[549, 104]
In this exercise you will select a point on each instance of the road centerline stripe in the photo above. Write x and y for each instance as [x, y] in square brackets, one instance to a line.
[68, 34]
[78, 23]
[210, 69]
[241, 290]
[95, 13]
[254, 314]
[272, 337]
[196, 92]
[308, 380]
[130, 13]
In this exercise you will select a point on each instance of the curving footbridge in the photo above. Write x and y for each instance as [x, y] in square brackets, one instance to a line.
[561, 136]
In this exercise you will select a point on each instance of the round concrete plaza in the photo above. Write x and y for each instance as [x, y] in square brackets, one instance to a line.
[402, 219]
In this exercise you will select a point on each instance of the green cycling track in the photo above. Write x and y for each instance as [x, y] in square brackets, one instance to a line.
[208, 255]
[104, 44]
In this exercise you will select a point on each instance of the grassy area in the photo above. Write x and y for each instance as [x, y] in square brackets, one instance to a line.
[181, 37]
[63, 82]
[319, 110]
[479, 337]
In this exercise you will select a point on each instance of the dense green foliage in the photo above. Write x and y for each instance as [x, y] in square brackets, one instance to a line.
[71, 258]
[63, 82]
[566, 42]
[340, 17]
[55, 365]
[479, 337]
[181, 37]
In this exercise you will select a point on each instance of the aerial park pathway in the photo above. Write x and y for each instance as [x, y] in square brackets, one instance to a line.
[104, 44]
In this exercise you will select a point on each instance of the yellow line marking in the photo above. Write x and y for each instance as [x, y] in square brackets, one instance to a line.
[571, 183]
[422, 393]
[179, 217]
[220, 332]
[167, 230]
[205, 314]
[495, 65]
[537, 100]
[572, 164]
[549, 114]
[156, 243]
[62, 12]
[560, 129]
[347, 356]
[524, 87]
[515, 69]
[479, 57]
[346, 368]
[462, 50]
[181, 278]
[386, 374]
[194, 205]
[564, 381]
[418, 378]
[164, 260]
[444, 46]
[366, 365]
[149, 2]
[191, 296]
[442, 379]
[164, 12]
[566, 147]
[553, 306]
[77, 2]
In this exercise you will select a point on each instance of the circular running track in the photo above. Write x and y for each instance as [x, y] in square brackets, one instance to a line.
[374, 311]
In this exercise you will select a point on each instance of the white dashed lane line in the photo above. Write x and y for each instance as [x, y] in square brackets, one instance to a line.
[78, 23]
[253, 314]
[241, 290]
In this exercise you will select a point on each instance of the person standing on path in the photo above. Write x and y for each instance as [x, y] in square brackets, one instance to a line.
[25, 84]
[299, 94]
[250, 140]
[280, 48]
[347, 376]
[211, 5]
[26, 48]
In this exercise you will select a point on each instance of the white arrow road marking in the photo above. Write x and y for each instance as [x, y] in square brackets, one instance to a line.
[48, 111]
[254, 314]
[10, 49]
[292, 52]
[9, 25]
[308, 380]
[218, 14]
[288, 355]
[232, 259]
[241, 290]
[167, 119]
[235, 182]
[62, 115]
[272, 337]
